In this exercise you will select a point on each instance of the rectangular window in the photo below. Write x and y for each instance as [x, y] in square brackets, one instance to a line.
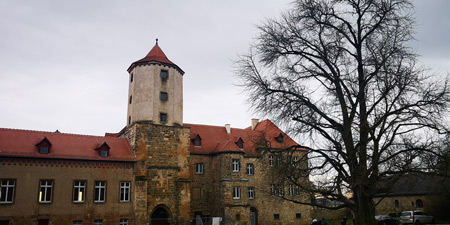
[199, 168]
[163, 117]
[43, 150]
[77, 222]
[131, 78]
[7, 191]
[79, 190]
[104, 153]
[279, 161]
[98, 222]
[236, 193]
[45, 191]
[250, 169]
[4, 222]
[123, 222]
[251, 193]
[236, 165]
[163, 96]
[125, 191]
[99, 191]
[296, 160]
[271, 161]
[272, 189]
[164, 75]
[297, 190]
[298, 215]
[280, 191]
[276, 216]
[291, 189]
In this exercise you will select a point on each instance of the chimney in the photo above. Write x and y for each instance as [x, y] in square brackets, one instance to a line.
[254, 123]
[228, 128]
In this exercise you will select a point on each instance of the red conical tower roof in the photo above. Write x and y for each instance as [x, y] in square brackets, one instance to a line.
[158, 56]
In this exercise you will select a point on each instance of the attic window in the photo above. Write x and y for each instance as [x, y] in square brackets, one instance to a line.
[240, 143]
[103, 150]
[44, 146]
[279, 138]
[197, 141]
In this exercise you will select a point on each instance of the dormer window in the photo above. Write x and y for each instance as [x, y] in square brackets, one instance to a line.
[44, 146]
[103, 150]
[279, 138]
[197, 141]
[240, 143]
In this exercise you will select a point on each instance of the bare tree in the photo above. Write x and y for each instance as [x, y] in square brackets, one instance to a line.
[341, 73]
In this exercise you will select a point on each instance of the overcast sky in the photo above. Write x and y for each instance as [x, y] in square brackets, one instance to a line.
[63, 63]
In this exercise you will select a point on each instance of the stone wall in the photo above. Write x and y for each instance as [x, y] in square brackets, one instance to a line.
[406, 203]
[162, 173]
[212, 192]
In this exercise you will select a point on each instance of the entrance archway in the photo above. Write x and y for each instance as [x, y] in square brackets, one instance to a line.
[160, 216]
[253, 216]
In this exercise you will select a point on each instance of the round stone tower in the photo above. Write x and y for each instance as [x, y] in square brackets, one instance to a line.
[155, 90]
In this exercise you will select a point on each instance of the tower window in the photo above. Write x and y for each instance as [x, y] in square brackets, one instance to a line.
[163, 96]
[129, 120]
[164, 75]
[163, 117]
[131, 78]
[131, 99]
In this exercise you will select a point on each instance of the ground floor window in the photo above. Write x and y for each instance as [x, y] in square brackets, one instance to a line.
[123, 222]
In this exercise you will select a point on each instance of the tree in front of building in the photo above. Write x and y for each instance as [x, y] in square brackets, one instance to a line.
[340, 74]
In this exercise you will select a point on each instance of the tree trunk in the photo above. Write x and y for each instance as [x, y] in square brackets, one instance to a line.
[365, 207]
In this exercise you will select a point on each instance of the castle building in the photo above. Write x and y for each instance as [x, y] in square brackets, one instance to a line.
[168, 171]
[188, 172]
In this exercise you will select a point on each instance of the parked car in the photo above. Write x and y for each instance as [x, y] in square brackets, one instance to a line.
[416, 217]
[386, 220]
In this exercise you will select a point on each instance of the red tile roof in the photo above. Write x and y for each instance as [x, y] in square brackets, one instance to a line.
[22, 143]
[214, 139]
[155, 55]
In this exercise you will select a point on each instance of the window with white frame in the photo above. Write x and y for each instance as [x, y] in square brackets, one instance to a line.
[79, 190]
[271, 161]
[7, 191]
[99, 191]
[236, 163]
[297, 190]
[77, 222]
[250, 169]
[272, 189]
[45, 191]
[125, 191]
[280, 191]
[98, 222]
[123, 222]
[279, 160]
[291, 189]
[236, 193]
[251, 193]
[295, 161]
[199, 168]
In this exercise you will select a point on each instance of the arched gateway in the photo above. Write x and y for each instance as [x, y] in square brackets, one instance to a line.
[160, 216]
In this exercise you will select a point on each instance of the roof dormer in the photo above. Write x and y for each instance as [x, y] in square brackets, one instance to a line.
[103, 150]
[240, 143]
[197, 141]
[44, 146]
[279, 138]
